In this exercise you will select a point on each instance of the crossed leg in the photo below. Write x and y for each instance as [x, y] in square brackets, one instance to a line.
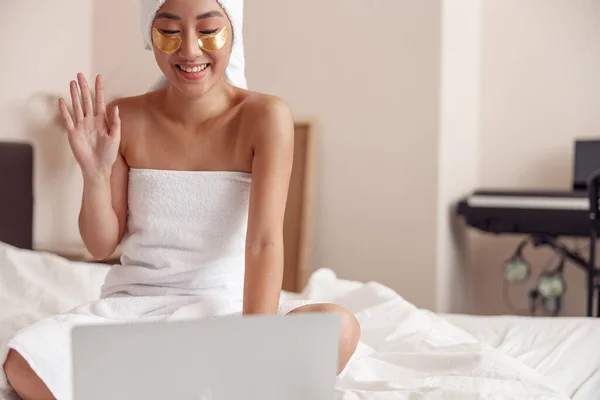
[29, 386]
[24, 380]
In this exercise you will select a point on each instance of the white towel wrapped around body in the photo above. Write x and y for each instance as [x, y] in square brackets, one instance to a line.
[183, 257]
[186, 233]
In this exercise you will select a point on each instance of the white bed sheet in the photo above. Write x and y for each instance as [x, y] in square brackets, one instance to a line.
[404, 352]
[566, 350]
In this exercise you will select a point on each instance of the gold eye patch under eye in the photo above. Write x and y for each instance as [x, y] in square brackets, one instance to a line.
[214, 41]
[165, 43]
[170, 44]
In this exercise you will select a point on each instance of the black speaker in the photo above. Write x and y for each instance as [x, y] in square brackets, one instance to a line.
[585, 163]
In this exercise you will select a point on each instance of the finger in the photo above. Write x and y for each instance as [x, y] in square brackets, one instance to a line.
[64, 111]
[76, 102]
[88, 107]
[115, 126]
[100, 102]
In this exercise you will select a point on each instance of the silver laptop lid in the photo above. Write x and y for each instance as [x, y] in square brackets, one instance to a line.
[232, 358]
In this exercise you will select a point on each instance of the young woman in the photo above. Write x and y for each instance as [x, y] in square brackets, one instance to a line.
[190, 179]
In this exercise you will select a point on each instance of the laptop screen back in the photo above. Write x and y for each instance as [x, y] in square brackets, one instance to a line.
[231, 358]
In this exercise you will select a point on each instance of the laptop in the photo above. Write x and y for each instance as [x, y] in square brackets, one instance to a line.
[230, 358]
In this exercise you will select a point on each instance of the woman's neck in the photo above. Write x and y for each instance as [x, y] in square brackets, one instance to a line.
[194, 112]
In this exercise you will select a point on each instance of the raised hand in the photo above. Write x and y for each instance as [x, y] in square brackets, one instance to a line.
[93, 136]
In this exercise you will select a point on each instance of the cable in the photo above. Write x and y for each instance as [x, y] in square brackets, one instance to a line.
[534, 296]
[551, 287]
[551, 260]
[516, 268]
[550, 281]
[553, 305]
[516, 256]
[508, 301]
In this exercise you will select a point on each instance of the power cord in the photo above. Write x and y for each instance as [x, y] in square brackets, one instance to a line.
[553, 305]
[534, 295]
[508, 300]
[550, 285]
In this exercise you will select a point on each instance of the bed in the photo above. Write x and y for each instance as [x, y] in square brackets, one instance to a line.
[404, 353]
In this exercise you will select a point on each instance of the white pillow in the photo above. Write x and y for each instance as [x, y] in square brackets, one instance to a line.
[35, 285]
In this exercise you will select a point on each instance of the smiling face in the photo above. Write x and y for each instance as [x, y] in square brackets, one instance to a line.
[192, 44]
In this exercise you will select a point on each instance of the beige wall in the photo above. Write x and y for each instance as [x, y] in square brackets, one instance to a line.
[457, 150]
[369, 71]
[36, 69]
[118, 50]
[540, 90]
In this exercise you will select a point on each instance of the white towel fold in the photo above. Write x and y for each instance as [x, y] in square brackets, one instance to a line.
[234, 9]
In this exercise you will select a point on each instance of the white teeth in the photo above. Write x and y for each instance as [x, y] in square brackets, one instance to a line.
[193, 70]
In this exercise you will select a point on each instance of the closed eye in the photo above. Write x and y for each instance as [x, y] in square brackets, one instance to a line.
[167, 32]
[209, 32]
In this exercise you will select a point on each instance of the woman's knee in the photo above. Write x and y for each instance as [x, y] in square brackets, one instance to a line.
[23, 379]
[349, 325]
[349, 329]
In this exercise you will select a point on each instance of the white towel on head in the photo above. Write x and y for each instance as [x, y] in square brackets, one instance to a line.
[236, 70]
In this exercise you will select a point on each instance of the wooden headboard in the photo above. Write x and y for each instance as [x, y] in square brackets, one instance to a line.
[17, 197]
[298, 224]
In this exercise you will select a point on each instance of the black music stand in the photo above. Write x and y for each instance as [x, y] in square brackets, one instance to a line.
[592, 271]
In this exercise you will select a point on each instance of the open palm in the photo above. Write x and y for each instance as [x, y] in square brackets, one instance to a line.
[94, 140]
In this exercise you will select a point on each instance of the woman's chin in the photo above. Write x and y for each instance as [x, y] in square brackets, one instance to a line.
[192, 89]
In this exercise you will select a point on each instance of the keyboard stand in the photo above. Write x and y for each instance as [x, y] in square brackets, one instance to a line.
[587, 265]
[592, 271]
[545, 217]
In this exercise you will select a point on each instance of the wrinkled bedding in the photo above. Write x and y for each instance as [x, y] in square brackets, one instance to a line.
[404, 353]
[565, 350]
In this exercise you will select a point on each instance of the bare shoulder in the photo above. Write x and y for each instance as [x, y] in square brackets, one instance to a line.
[134, 112]
[131, 107]
[267, 117]
[259, 105]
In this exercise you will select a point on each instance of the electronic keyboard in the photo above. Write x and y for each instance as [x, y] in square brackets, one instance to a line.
[551, 213]
[547, 214]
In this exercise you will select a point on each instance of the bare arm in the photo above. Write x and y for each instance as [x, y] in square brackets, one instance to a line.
[273, 145]
[103, 211]
[95, 137]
